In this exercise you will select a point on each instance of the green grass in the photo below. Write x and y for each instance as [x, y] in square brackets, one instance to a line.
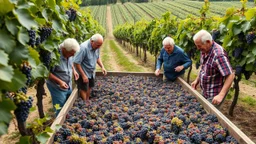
[105, 56]
[249, 100]
[122, 60]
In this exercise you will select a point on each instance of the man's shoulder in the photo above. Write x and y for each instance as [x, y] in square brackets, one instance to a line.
[179, 49]
[85, 44]
[218, 50]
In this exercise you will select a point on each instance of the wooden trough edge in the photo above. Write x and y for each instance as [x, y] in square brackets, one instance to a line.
[223, 120]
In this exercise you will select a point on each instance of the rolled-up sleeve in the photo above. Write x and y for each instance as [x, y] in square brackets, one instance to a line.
[78, 58]
[160, 59]
[223, 65]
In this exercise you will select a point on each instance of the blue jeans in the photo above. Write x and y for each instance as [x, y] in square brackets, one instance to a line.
[58, 97]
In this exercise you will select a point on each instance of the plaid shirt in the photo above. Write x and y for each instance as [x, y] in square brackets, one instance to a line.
[214, 67]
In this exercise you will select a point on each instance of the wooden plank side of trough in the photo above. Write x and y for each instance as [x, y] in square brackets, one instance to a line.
[62, 115]
[224, 121]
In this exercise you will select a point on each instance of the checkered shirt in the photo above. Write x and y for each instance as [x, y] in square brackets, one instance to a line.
[215, 66]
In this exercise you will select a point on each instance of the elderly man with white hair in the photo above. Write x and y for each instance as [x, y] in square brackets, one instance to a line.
[59, 82]
[216, 75]
[174, 60]
[85, 63]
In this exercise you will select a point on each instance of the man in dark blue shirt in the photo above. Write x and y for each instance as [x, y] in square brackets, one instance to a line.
[174, 60]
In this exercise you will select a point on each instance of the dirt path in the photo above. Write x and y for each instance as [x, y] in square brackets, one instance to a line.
[109, 24]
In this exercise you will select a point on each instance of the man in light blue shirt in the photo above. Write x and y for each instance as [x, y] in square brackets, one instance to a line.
[85, 63]
[174, 60]
[59, 82]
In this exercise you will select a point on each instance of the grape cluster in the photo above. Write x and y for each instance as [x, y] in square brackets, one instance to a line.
[44, 33]
[26, 69]
[134, 109]
[45, 57]
[71, 14]
[215, 34]
[239, 70]
[250, 37]
[237, 52]
[23, 104]
[32, 37]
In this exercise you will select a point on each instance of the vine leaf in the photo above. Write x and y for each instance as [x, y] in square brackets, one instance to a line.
[6, 106]
[43, 137]
[20, 53]
[5, 7]
[23, 36]
[11, 25]
[39, 72]
[3, 58]
[7, 42]
[18, 81]
[25, 18]
[6, 73]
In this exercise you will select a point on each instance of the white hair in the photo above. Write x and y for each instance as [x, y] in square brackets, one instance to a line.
[204, 35]
[168, 41]
[70, 44]
[97, 37]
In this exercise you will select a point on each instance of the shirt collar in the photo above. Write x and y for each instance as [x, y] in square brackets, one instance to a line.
[210, 51]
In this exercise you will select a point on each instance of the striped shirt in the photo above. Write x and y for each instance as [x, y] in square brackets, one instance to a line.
[87, 58]
[215, 66]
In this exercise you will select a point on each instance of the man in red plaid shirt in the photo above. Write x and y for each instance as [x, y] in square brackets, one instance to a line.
[215, 76]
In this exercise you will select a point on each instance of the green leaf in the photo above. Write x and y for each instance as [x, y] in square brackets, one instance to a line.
[23, 36]
[25, 140]
[19, 54]
[6, 73]
[49, 130]
[57, 127]
[5, 7]
[11, 25]
[254, 51]
[45, 14]
[246, 26]
[7, 42]
[25, 18]
[251, 58]
[32, 109]
[41, 21]
[57, 106]
[250, 13]
[43, 137]
[237, 30]
[34, 54]
[18, 81]
[56, 24]
[3, 128]
[49, 45]
[3, 58]
[40, 72]
[52, 4]
[6, 106]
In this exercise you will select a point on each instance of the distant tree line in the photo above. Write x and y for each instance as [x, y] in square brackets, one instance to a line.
[104, 2]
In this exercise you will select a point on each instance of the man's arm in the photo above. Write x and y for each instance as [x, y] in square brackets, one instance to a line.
[62, 84]
[227, 84]
[80, 70]
[186, 63]
[76, 75]
[99, 62]
[159, 63]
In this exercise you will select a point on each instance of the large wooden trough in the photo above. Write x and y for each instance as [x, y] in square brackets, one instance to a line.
[223, 120]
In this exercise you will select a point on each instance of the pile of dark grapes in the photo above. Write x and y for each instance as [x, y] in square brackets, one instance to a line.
[23, 104]
[45, 57]
[71, 14]
[135, 109]
[44, 33]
